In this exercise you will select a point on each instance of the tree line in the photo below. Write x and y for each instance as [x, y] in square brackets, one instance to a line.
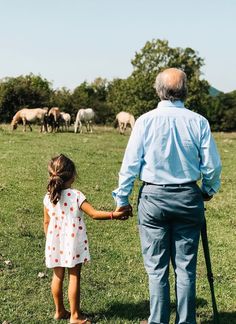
[135, 94]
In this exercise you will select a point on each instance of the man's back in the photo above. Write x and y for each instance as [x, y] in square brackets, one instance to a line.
[172, 138]
[170, 145]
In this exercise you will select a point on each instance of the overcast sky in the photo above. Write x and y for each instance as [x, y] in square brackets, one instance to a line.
[70, 41]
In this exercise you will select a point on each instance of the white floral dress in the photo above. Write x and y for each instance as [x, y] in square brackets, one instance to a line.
[66, 242]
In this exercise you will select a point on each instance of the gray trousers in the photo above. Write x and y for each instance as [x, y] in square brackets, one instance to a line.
[170, 219]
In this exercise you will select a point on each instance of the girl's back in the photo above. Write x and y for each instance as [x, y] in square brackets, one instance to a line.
[66, 242]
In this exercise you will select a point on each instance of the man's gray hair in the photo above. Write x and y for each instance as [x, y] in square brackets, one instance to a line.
[171, 90]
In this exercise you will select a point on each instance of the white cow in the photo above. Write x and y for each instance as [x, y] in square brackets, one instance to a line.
[124, 118]
[85, 116]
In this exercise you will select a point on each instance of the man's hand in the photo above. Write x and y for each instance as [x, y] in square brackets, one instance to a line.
[206, 197]
[125, 208]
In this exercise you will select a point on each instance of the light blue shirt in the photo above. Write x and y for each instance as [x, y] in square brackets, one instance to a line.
[169, 145]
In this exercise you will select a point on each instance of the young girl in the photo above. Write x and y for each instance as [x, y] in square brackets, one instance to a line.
[66, 237]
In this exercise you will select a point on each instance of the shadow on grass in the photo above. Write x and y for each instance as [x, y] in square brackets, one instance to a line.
[135, 311]
[127, 311]
[224, 318]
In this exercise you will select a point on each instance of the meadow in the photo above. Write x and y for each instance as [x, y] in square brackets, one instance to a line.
[114, 283]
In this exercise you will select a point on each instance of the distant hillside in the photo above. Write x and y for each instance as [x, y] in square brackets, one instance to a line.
[214, 92]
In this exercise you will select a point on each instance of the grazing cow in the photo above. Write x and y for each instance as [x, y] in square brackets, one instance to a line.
[85, 116]
[28, 116]
[123, 119]
[53, 119]
[65, 120]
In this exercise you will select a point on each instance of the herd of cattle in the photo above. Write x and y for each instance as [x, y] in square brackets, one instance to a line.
[53, 120]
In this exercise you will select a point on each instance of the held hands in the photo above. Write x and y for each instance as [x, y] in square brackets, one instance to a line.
[123, 213]
[206, 197]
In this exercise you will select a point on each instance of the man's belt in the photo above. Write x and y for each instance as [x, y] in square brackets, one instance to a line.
[170, 184]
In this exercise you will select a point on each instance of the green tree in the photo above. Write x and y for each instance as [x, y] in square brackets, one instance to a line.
[93, 95]
[124, 95]
[103, 111]
[82, 97]
[226, 112]
[23, 91]
[99, 86]
[62, 98]
[155, 56]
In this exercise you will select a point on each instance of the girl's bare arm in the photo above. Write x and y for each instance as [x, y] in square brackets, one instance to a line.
[103, 215]
[46, 220]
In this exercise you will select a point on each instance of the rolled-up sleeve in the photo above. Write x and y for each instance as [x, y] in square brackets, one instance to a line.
[210, 163]
[131, 165]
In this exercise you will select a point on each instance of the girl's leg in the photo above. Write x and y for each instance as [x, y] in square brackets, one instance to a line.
[74, 295]
[57, 292]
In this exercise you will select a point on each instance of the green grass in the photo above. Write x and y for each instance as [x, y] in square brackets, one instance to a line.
[114, 283]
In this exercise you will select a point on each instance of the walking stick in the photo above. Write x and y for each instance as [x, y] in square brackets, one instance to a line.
[209, 271]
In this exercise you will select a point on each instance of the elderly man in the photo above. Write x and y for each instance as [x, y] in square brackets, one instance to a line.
[170, 148]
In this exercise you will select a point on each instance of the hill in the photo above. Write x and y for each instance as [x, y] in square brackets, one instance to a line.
[214, 92]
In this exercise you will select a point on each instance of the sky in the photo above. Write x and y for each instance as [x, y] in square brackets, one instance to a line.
[71, 41]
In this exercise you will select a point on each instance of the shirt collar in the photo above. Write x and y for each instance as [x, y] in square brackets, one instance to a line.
[168, 103]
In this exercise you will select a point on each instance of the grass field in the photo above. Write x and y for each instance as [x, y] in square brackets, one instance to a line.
[114, 283]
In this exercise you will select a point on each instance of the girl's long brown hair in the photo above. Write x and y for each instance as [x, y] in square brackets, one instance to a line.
[61, 169]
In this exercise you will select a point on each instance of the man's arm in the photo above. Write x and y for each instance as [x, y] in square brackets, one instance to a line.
[131, 165]
[210, 164]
